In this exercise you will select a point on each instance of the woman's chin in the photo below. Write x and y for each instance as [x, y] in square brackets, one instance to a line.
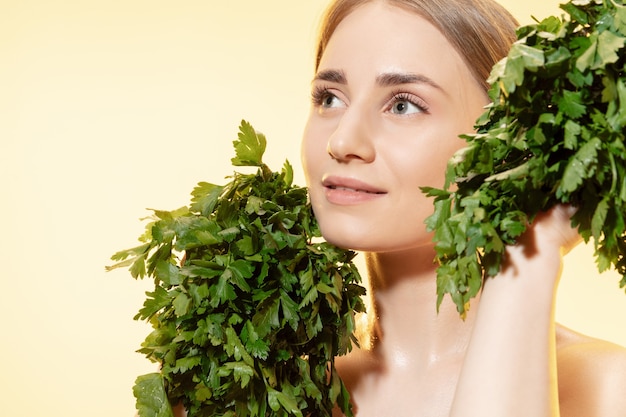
[342, 242]
[364, 241]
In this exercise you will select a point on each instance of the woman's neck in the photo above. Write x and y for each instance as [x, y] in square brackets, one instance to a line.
[409, 332]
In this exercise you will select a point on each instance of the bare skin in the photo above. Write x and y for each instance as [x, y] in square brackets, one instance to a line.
[369, 143]
[389, 100]
[409, 372]
[420, 371]
[591, 374]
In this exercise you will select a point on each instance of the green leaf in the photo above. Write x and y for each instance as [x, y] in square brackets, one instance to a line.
[617, 120]
[609, 46]
[571, 103]
[577, 13]
[241, 372]
[513, 74]
[267, 316]
[289, 309]
[151, 398]
[128, 253]
[620, 18]
[167, 273]
[580, 167]
[205, 198]
[155, 302]
[235, 348]
[181, 304]
[598, 219]
[138, 267]
[250, 146]
[287, 173]
[256, 346]
[510, 174]
[572, 133]
[186, 363]
[532, 58]
[509, 72]
[555, 132]
[235, 307]
[277, 399]
[241, 271]
[602, 51]
[202, 393]
[223, 291]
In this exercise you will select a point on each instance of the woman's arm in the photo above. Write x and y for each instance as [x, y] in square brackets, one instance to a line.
[510, 365]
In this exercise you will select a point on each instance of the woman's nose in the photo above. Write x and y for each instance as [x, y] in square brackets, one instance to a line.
[352, 139]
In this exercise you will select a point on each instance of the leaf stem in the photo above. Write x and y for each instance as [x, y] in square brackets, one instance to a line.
[613, 173]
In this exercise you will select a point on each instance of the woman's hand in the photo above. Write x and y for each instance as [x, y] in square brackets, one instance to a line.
[510, 366]
[539, 251]
[554, 227]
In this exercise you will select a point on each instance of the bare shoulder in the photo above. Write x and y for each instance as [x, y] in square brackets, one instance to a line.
[592, 375]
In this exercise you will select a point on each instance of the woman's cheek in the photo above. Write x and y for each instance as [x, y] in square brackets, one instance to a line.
[313, 152]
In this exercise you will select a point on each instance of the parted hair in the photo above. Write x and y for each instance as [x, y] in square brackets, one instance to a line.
[481, 31]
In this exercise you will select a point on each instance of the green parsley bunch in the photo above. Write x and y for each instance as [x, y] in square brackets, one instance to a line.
[554, 133]
[249, 309]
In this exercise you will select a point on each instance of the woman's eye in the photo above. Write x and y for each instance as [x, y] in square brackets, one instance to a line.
[323, 98]
[330, 101]
[402, 103]
[405, 107]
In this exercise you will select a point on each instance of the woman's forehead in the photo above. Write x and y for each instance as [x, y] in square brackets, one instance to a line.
[382, 38]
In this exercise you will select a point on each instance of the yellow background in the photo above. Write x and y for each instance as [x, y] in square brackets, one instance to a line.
[108, 107]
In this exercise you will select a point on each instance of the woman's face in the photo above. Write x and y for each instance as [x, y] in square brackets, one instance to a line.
[390, 98]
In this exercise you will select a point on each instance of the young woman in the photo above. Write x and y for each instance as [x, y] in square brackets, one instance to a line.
[396, 82]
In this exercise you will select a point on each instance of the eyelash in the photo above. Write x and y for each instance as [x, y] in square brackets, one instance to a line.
[320, 93]
[411, 98]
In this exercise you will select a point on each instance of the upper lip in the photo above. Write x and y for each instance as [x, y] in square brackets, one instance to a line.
[351, 183]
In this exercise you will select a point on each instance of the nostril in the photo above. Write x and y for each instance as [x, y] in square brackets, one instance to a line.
[343, 154]
[351, 140]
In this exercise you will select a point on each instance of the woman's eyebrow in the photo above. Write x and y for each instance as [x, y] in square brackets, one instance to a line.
[331, 75]
[389, 79]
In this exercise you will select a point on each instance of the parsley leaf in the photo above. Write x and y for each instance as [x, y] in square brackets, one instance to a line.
[151, 398]
[249, 307]
[554, 133]
[250, 146]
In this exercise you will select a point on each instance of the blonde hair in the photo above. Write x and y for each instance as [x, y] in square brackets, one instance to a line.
[481, 31]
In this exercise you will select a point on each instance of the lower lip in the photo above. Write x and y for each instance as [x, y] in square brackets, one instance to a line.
[350, 197]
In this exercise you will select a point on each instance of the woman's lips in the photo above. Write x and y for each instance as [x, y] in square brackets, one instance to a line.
[350, 191]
